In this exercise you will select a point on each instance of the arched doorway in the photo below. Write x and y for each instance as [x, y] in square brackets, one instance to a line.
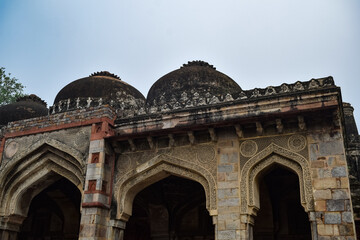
[281, 215]
[172, 208]
[54, 213]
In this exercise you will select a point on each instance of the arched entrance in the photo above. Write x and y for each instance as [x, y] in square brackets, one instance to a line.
[54, 213]
[281, 215]
[172, 208]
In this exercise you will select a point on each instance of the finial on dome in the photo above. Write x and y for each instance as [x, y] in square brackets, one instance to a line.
[198, 63]
[105, 73]
[31, 98]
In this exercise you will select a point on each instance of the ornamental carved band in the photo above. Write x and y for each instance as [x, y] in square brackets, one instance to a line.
[271, 155]
[160, 167]
[31, 171]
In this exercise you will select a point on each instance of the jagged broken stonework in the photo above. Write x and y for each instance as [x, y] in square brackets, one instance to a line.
[198, 158]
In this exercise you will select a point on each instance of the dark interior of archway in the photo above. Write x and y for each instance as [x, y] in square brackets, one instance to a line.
[173, 208]
[54, 213]
[281, 215]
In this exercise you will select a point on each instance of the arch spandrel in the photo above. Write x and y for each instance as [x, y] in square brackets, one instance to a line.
[156, 169]
[274, 154]
[37, 168]
[35, 148]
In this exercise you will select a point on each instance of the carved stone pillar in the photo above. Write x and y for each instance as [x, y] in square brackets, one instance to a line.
[159, 222]
[96, 203]
[247, 226]
[117, 229]
[228, 197]
[312, 219]
[10, 227]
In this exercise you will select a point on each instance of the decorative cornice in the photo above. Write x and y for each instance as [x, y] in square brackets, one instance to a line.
[191, 99]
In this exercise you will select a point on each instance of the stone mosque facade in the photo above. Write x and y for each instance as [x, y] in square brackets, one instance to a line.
[198, 159]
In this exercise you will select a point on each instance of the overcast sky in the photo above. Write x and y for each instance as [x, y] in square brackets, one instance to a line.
[47, 44]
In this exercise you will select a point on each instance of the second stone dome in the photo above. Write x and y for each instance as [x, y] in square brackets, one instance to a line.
[98, 89]
[194, 84]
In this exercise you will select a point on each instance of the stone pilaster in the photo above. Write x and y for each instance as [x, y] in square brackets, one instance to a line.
[228, 219]
[116, 230]
[98, 186]
[333, 211]
[9, 227]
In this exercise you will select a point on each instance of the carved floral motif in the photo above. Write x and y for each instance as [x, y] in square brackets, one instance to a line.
[248, 148]
[297, 142]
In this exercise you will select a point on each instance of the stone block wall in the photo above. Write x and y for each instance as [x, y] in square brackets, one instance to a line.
[52, 121]
[333, 210]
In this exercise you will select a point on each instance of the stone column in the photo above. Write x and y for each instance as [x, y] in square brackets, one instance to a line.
[313, 225]
[9, 227]
[247, 227]
[117, 228]
[159, 222]
[228, 219]
[95, 214]
[8, 235]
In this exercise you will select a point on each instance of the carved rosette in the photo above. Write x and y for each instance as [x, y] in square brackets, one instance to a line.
[11, 149]
[123, 163]
[205, 154]
[296, 143]
[248, 148]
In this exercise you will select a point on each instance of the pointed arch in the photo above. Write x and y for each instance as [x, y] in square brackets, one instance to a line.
[274, 154]
[38, 167]
[156, 169]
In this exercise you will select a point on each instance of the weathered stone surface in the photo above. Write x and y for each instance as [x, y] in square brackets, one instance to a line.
[338, 172]
[322, 194]
[229, 202]
[325, 183]
[325, 230]
[331, 148]
[340, 194]
[226, 193]
[226, 235]
[332, 218]
[347, 217]
[225, 142]
[346, 230]
[335, 205]
[225, 168]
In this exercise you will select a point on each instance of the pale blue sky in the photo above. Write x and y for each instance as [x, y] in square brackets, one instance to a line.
[47, 44]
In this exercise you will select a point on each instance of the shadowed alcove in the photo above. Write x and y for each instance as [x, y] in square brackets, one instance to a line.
[281, 215]
[54, 213]
[172, 208]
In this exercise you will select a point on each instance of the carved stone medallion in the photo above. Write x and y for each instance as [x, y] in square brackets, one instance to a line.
[205, 154]
[11, 149]
[124, 163]
[297, 143]
[248, 148]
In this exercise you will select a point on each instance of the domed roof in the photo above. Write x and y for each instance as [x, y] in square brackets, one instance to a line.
[197, 81]
[97, 89]
[25, 107]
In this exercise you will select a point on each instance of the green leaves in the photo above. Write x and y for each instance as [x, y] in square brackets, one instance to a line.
[10, 88]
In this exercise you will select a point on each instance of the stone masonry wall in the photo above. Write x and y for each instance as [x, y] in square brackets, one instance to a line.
[60, 119]
[333, 210]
